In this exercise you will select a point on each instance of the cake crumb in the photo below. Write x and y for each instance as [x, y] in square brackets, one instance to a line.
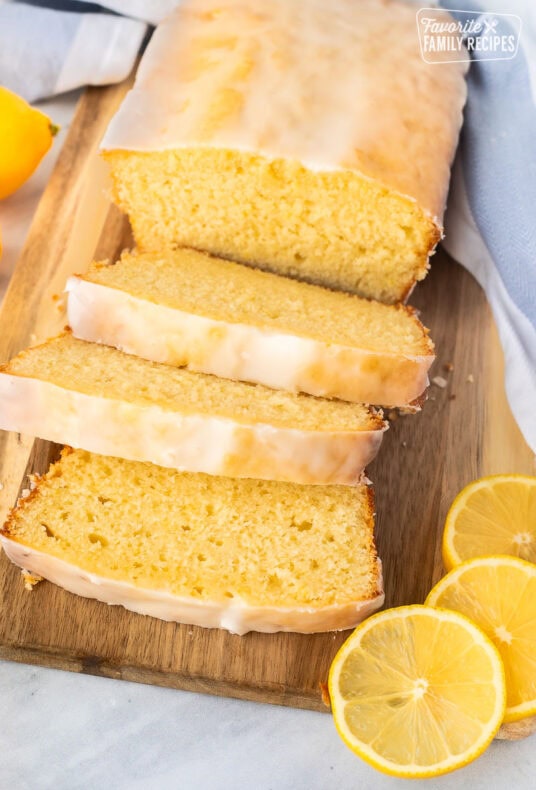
[392, 415]
[404, 444]
[324, 691]
[30, 580]
[33, 338]
[25, 493]
[59, 302]
[448, 367]
[1, 486]
[439, 381]
[470, 378]
[452, 396]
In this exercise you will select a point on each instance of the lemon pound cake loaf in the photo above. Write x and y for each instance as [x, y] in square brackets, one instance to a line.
[97, 398]
[189, 309]
[236, 554]
[307, 138]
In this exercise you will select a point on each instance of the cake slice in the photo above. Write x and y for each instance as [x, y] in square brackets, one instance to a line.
[189, 309]
[211, 551]
[99, 399]
[309, 138]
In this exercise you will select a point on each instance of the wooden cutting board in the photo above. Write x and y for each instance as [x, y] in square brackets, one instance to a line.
[464, 431]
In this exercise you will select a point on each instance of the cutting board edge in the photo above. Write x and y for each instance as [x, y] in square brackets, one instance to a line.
[90, 665]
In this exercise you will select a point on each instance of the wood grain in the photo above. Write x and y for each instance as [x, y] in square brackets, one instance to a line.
[464, 431]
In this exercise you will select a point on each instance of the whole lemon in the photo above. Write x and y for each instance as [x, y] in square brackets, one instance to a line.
[25, 136]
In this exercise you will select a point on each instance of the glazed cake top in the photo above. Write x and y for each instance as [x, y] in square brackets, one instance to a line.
[338, 85]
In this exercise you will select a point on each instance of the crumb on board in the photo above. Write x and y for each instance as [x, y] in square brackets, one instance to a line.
[470, 378]
[448, 367]
[324, 691]
[1, 486]
[30, 579]
[33, 338]
[59, 302]
[392, 415]
[404, 444]
[452, 396]
[439, 381]
[25, 493]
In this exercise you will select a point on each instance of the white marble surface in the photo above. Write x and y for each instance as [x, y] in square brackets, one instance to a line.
[62, 731]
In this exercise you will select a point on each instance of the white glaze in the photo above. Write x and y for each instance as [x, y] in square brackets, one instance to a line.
[233, 615]
[100, 314]
[338, 85]
[191, 442]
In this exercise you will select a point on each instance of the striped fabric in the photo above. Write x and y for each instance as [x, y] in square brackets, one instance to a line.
[490, 225]
[44, 51]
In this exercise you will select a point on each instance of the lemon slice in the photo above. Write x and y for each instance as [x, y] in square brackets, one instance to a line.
[493, 515]
[499, 595]
[417, 692]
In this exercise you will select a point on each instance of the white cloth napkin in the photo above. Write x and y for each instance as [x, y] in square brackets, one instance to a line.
[491, 217]
[490, 224]
[46, 51]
